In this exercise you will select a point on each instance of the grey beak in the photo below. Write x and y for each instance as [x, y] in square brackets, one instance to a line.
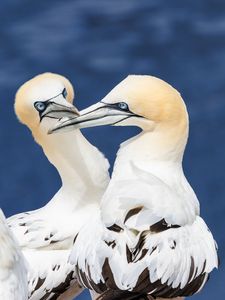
[96, 115]
[58, 111]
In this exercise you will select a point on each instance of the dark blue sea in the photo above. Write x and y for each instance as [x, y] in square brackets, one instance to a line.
[96, 43]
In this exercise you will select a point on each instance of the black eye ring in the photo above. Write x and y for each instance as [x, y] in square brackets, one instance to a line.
[64, 93]
[123, 106]
[40, 106]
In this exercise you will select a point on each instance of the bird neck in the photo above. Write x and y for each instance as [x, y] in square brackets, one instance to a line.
[82, 168]
[155, 159]
[160, 149]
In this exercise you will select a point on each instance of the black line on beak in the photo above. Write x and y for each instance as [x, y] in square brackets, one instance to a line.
[98, 108]
[74, 123]
[49, 102]
[121, 120]
[128, 115]
[64, 109]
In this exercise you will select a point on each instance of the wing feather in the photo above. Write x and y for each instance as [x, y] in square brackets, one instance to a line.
[13, 267]
[50, 275]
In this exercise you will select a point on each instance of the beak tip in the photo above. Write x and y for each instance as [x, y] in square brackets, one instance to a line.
[50, 131]
[53, 129]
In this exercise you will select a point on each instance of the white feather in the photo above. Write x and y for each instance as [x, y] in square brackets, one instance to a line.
[13, 268]
[158, 197]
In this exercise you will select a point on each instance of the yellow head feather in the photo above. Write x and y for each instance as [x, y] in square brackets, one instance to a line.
[151, 98]
[38, 88]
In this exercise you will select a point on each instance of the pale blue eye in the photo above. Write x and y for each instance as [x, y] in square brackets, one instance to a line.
[123, 106]
[64, 93]
[40, 106]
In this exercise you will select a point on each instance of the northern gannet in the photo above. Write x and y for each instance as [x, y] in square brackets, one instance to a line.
[13, 268]
[149, 238]
[51, 230]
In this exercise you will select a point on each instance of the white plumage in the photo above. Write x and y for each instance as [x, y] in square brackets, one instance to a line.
[50, 274]
[147, 237]
[46, 235]
[13, 268]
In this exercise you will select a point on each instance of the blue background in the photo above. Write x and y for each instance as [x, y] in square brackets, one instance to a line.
[96, 43]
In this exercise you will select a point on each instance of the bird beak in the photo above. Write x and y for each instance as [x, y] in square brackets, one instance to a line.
[98, 114]
[58, 110]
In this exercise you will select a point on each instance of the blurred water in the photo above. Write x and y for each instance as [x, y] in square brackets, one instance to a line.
[96, 44]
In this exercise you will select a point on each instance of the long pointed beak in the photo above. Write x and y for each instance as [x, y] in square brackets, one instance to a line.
[58, 111]
[96, 115]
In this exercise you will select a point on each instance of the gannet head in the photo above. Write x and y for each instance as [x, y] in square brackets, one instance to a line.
[43, 100]
[139, 100]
